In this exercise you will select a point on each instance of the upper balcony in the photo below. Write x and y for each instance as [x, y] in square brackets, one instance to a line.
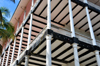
[60, 15]
[60, 24]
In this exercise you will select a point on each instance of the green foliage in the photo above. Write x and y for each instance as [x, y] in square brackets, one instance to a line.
[0, 49]
[6, 28]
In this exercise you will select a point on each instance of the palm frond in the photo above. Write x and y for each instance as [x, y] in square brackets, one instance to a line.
[4, 35]
[13, 1]
[9, 28]
[7, 32]
[5, 11]
[2, 22]
[6, 28]
[0, 49]
[0, 16]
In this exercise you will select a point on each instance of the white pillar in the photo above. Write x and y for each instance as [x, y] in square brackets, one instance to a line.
[97, 57]
[48, 50]
[26, 60]
[49, 14]
[20, 45]
[30, 27]
[29, 40]
[76, 59]
[21, 38]
[13, 50]
[48, 37]
[3, 58]
[32, 4]
[8, 56]
[29, 36]
[71, 19]
[92, 33]
[90, 25]
[30, 30]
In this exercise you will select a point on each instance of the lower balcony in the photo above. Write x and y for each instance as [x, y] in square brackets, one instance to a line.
[61, 49]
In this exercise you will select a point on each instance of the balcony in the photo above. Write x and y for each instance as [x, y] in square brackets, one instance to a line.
[62, 41]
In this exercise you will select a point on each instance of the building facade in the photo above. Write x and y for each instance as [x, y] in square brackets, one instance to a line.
[54, 33]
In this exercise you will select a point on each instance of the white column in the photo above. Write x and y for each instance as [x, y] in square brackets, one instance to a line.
[29, 36]
[90, 25]
[13, 50]
[14, 45]
[29, 40]
[71, 19]
[32, 4]
[97, 57]
[3, 58]
[76, 59]
[26, 60]
[20, 45]
[48, 50]
[30, 29]
[8, 56]
[48, 37]
[49, 14]
[92, 34]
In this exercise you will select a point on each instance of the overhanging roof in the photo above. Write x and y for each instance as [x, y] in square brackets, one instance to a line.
[20, 8]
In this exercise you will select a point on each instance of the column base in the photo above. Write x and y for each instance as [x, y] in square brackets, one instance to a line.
[26, 60]
[48, 50]
[76, 59]
[97, 57]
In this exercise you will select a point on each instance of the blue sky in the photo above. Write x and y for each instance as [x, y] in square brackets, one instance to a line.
[10, 5]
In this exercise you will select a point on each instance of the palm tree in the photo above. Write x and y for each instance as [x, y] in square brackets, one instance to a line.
[6, 28]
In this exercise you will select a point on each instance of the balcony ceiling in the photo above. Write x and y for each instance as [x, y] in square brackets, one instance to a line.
[60, 15]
